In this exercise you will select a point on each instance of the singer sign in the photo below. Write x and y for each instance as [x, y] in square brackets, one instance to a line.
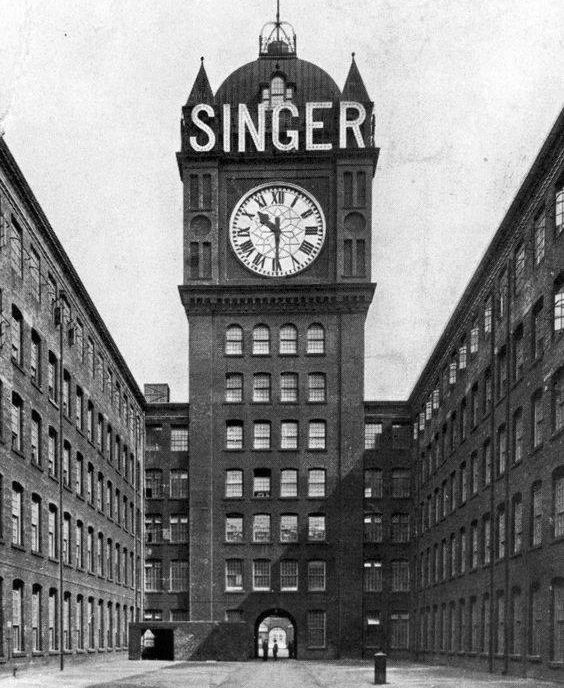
[351, 116]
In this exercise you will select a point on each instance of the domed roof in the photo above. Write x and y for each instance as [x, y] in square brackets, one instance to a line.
[244, 85]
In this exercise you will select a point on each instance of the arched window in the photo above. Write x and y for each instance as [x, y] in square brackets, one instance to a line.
[52, 620]
[261, 340]
[558, 502]
[315, 339]
[36, 620]
[17, 616]
[234, 341]
[17, 514]
[288, 340]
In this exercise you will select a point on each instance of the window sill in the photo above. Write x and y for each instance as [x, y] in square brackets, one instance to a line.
[18, 452]
[53, 403]
[37, 553]
[52, 559]
[18, 547]
[232, 591]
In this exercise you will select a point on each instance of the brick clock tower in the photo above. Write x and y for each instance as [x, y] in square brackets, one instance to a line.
[277, 171]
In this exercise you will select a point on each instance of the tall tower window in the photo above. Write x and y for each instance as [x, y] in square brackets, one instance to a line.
[234, 341]
[316, 339]
[261, 340]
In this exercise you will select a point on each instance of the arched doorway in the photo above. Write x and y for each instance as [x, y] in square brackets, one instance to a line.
[276, 625]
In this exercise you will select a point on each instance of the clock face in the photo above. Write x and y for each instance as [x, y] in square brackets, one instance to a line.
[277, 230]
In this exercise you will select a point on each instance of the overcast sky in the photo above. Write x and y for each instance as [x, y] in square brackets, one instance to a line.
[465, 93]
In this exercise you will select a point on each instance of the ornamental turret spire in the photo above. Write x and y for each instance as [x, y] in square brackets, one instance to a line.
[201, 90]
[354, 88]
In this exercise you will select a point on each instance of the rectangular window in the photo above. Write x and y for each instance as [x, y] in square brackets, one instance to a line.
[261, 528]
[289, 435]
[261, 574]
[261, 435]
[401, 483]
[372, 576]
[539, 238]
[474, 337]
[261, 388]
[316, 527]
[537, 334]
[234, 483]
[347, 258]
[288, 575]
[35, 358]
[153, 576]
[289, 388]
[289, 483]
[316, 388]
[360, 258]
[234, 435]
[400, 576]
[178, 528]
[288, 528]
[261, 483]
[234, 388]
[316, 483]
[519, 268]
[373, 483]
[16, 245]
[179, 439]
[373, 528]
[538, 419]
[178, 576]
[178, 484]
[316, 576]
[317, 434]
[399, 630]
[316, 629]
[559, 307]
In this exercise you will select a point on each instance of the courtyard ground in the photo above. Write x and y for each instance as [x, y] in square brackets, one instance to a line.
[121, 673]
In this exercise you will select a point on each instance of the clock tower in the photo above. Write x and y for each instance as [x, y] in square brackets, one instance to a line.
[277, 168]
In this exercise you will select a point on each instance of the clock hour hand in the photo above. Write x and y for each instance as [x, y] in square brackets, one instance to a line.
[267, 222]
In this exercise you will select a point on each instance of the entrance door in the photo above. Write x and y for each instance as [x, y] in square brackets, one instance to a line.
[275, 626]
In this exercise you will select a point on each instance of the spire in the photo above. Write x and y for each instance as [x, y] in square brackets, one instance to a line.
[201, 90]
[354, 88]
[277, 38]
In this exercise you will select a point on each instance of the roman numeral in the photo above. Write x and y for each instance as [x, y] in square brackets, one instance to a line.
[249, 215]
[259, 198]
[295, 260]
[293, 203]
[247, 247]
[307, 213]
[307, 248]
[276, 267]
[311, 231]
[244, 232]
[258, 260]
[278, 196]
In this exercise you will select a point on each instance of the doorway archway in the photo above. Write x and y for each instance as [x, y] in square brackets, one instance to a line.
[276, 625]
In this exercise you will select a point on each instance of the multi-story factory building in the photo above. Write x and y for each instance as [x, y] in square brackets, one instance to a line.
[71, 451]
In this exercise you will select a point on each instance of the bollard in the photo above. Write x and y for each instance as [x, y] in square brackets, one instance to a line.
[380, 668]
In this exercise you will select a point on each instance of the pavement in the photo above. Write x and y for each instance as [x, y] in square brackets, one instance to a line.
[122, 673]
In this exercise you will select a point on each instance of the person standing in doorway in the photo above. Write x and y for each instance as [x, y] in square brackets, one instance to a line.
[290, 649]
[275, 650]
[264, 650]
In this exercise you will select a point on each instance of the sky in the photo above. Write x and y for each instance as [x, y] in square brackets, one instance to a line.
[465, 93]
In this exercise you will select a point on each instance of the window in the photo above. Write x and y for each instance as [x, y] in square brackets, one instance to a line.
[289, 528]
[316, 388]
[17, 617]
[373, 528]
[315, 339]
[499, 644]
[558, 620]
[36, 620]
[501, 450]
[373, 483]
[537, 419]
[52, 532]
[400, 528]
[401, 483]
[289, 434]
[35, 358]
[79, 545]
[79, 408]
[261, 482]
[261, 528]
[178, 480]
[536, 617]
[234, 483]
[261, 340]
[474, 337]
[519, 268]
[462, 356]
[503, 288]
[178, 576]
[372, 434]
[66, 539]
[316, 482]
[558, 501]
[17, 422]
[474, 406]
[35, 523]
[487, 391]
[316, 576]
[153, 484]
[289, 483]
[179, 439]
[153, 576]
[537, 334]
[536, 515]
[52, 452]
[487, 462]
[518, 436]
[261, 574]
[517, 519]
[316, 629]
[288, 340]
[559, 208]
[261, 388]
[261, 435]
[559, 305]
[486, 623]
[289, 388]
[234, 341]
[316, 438]
[502, 372]
[372, 576]
[500, 532]
[234, 528]
[474, 545]
[399, 630]
[17, 514]
[518, 354]
[539, 238]
[16, 244]
[66, 463]
[316, 527]
[234, 435]
[400, 576]
[234, 388]
[178, 528]
[288, 575]
[452, 371]
[488, 316]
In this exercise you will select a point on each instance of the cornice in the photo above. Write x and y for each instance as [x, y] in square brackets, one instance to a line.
[290, 298]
